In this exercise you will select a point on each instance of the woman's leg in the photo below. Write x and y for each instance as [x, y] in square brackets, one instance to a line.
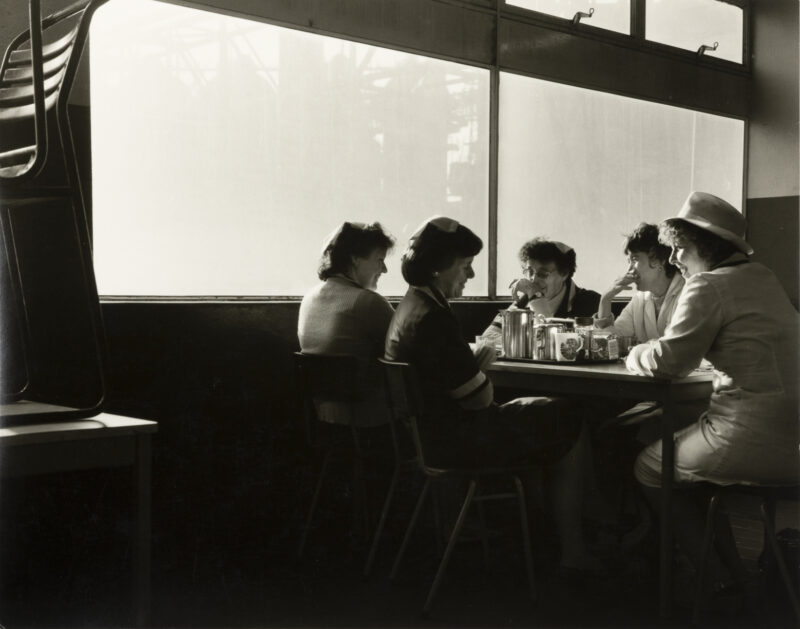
[689, 506]
[566, 489]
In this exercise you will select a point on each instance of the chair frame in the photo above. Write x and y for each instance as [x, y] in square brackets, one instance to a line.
[345, 388]
[48, 78]
[769, 496]
[407, 405]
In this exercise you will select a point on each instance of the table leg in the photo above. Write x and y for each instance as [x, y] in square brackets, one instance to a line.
[141, 555]
[667, 473]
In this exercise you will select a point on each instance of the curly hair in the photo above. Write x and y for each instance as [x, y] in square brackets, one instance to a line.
[436, 250]
[543, 250]
[710, 247]
[352, 240]
[644, 239]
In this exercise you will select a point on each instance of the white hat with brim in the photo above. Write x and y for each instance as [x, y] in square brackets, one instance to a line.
[717, 216]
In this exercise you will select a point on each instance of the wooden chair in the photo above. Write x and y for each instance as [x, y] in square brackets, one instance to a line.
[338, 380]
[407, 405]
[768, 497]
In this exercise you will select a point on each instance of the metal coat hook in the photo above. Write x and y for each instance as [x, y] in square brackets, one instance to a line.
[702, 50]
[580, 14]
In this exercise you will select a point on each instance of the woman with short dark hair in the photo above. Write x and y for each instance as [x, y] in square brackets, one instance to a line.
[462, 423]
[343, 315]
[547, 287]
[657, 283]
[734, 313]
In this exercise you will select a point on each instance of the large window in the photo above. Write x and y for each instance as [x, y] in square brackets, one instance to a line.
[224, 150]
[585, 167]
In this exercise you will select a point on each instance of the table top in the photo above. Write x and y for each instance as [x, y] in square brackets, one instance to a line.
[102, 425]
[599, 371]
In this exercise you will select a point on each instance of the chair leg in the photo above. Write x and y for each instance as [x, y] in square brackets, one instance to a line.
[708, 540]
[769, 529]
[450, 545]
[407, 537]
[526, 536]
[484, 536]
[323, 469]
[361, 524]
[382, 521]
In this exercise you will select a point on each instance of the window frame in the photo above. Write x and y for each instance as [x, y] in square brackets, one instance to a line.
[490, 14]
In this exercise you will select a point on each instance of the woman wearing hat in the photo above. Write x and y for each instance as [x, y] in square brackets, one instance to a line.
[734, 313]
[547, 287]
[462, 424]
[343, 315]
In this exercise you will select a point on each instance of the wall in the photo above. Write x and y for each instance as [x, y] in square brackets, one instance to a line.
[773, 180]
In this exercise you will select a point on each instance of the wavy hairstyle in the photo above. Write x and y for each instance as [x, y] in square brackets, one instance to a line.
[349, 241]
[710, 247]
[543, 250]
[644, 239]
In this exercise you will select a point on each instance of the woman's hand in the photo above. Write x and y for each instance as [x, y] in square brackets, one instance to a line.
[485, 354]
[620, 284]
[522, 291]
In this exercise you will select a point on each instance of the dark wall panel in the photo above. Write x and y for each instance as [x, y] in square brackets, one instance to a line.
[774, 231]
[449, 29]
[589, 62]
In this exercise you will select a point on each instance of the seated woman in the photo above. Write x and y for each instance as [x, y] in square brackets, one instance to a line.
[734, 313]
[645, 317]
[657, 288]
[343, 315]
[463, 425]
[547, 287]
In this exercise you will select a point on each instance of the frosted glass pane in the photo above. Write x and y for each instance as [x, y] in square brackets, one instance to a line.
[691, 23]
[225, 150]
[585, 167]
[614, 15]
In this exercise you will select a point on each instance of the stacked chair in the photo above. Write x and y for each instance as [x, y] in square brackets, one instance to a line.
[53, 353]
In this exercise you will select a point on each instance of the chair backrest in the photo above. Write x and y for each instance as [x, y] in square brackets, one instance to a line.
[326, 378]
[329, 378]
[405, 400]
[33, 73]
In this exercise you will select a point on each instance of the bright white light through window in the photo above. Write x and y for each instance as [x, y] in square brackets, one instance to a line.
[613, 15]
[690, 24]
[225, 150]
[585, 167]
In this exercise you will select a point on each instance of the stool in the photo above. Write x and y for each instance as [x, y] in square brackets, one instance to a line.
[769, 495]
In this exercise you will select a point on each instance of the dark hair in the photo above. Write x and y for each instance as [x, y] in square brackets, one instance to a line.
[710, 247]
[352, 239]
[435, 250]
[644, 239]
[544, 251]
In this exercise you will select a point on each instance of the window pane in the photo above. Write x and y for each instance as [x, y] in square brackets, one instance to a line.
[225, 150]
[691, 23]
[585, 167]
[614, 15]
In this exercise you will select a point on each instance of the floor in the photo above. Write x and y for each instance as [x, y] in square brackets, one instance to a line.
[224, 580]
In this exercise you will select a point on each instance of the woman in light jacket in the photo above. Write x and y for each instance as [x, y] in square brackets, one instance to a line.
[734, 313]
[657, 288]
